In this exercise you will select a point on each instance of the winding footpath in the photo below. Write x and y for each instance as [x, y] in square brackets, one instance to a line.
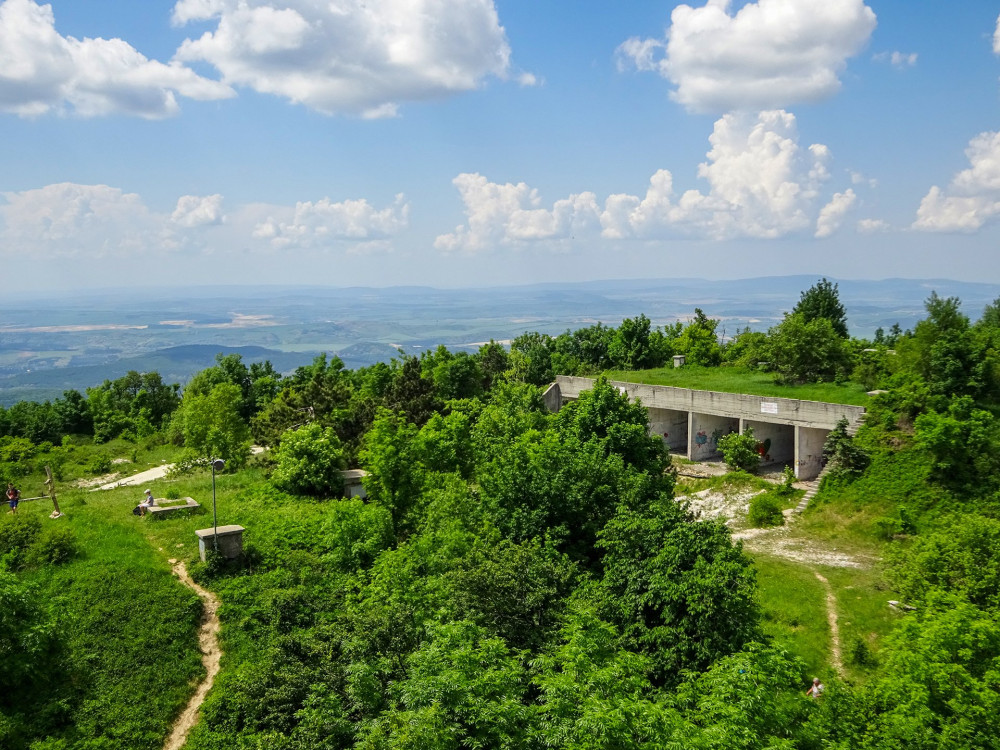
[211, 654]
[831, 617]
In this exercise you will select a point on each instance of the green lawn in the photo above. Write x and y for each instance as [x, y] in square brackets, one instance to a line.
[794, 606]
[737, 380]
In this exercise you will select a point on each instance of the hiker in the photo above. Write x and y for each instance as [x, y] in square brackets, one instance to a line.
[816, 690]
[13, 497]
[147, 502]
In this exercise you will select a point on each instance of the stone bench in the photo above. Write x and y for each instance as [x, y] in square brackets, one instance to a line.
[185, 503]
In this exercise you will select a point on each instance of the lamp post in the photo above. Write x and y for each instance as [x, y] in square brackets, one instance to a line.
[217, 464]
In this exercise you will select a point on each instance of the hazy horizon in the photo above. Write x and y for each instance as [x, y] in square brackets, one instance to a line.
[499, 141]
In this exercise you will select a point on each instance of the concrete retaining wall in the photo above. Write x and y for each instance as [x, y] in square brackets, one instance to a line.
[817, 414]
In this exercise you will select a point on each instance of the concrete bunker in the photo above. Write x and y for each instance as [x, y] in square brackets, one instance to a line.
[671, 425]
[796, 428]
[776, 442]
[704, 431]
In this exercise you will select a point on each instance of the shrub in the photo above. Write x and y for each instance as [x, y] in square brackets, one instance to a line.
[17, 534]
[55, 546]
[889, 527]
[100, 464]
[765, 510]
[739, 451]
[309, 461]
[787, 486]
[859, 653]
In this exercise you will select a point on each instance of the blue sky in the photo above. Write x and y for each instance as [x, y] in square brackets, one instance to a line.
[479, 143]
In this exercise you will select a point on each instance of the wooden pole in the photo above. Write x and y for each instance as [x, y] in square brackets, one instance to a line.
[52, 492]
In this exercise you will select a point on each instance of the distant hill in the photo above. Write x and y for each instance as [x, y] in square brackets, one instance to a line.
[176, 364]
[79, 340]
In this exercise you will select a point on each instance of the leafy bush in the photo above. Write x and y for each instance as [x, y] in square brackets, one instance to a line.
[739, 451]
[17, 534]
[889, 527]
[860, 654]
[309, 462]
[765, 510]
[27, 637]
[100, 464]
[55, 546]
[787, 486]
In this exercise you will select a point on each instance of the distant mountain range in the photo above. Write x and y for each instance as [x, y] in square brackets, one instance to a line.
[75, 341]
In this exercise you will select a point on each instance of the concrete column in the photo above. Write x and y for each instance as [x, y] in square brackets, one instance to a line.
[809, 452]
[704, 430]
[671, 425]
[552, 398]
[782, 436]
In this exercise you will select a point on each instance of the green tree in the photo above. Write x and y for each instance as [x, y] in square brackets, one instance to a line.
[949, 355]
[396, 475]
[630, 347]
[964, 445]
[961, 557]
[822, 300]
[309, 462]
[136, 404]
[678, 590]
[842, 451]
[516, 591]
[596, 695]
[939, 687]
[808, 351]
[698, 341]
[462, 689]
[212, 425]
[320, 392]
[493, 361]
[531, 359]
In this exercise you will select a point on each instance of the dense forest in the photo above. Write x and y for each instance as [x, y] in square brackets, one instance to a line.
[515, 578]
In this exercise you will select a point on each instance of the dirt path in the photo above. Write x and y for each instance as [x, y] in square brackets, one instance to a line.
[831, 617]
[157, 472]
[208, 640]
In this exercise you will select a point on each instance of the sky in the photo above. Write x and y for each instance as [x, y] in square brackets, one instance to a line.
[471, 143]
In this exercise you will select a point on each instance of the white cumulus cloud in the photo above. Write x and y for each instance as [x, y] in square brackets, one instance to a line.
[996, 38]
[360, 57]
[70, 219]
[769, 53]
[832, 215]
[973, 197]
[897, 59]
[324, 222]
[198, 211]
[99, 220]
[42, 71]
[873, 226]
[761, 183]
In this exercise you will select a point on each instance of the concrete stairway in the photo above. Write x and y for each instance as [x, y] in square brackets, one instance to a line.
[813, 485]
[811, 490]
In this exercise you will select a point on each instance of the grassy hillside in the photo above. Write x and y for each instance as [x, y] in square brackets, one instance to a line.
[737, 380]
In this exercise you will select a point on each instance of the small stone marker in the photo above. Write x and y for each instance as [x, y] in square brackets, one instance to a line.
[679, 360]
[230, 541]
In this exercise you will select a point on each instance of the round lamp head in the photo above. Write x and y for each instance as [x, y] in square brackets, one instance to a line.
[218, 464]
